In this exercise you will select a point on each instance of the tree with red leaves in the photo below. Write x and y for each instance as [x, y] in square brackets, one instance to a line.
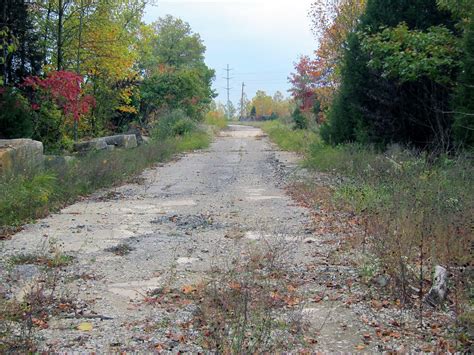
[304, 83]
[64, 88]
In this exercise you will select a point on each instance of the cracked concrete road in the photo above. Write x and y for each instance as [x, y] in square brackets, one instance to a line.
[181, 219]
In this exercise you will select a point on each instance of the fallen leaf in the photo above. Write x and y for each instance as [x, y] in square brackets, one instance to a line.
[85, 327]
[396, 335]
[236, 286]
[188, 289]
[360, 347]
[159, 347]
[40, 323]
[292, 301]
[317, 298]
[376, 304]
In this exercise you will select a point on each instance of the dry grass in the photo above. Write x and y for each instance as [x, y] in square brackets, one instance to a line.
[251, 307]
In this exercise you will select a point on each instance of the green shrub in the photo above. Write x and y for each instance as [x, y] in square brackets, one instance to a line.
[299, 119]
[15, 115]
[183, 127]
[23, 198]
[51, 129]
[172, 124]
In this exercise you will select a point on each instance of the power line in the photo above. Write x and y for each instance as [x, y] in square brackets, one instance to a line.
[242, 103]
[228, 70]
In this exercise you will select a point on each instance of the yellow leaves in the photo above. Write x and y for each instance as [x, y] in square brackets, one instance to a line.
[85, 327]
[127, 109]
[125, 96]
[108, 50]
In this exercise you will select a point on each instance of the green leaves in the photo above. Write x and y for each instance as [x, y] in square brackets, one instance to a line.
[407, 55]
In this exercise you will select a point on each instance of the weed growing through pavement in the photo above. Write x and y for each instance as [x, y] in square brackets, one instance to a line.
[250, 307]
[27, 307]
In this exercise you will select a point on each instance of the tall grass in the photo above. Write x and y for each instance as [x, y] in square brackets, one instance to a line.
[26, 198]
[418, 213]
[215, 119]
[297, 140]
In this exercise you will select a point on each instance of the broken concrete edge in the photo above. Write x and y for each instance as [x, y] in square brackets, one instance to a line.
[125, 141]
[24, 156]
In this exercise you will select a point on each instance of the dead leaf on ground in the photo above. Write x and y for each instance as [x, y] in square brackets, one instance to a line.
[40, 323]
[85, 327]
[188, 289]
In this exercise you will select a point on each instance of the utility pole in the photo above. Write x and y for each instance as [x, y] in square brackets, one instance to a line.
[242, 103]
[228, 70]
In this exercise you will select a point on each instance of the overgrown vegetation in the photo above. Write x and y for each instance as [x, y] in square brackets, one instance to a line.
[25, 198]
[248, 308]
[417, 214]
[42, 298]
[297, 140]
[391, 87]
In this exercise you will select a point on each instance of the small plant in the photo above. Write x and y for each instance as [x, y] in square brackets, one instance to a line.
[121, 249]
[53, 261]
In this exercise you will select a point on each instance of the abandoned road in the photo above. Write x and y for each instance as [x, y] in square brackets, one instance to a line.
[169, 229]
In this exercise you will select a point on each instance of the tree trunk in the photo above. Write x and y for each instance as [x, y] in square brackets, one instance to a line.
[60, 35]
[439, 290]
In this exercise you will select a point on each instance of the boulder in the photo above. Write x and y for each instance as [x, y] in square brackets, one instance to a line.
[93, 144]
[20, 155]
[126, 141]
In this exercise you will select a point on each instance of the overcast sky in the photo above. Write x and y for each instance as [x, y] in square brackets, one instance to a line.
[259, 39]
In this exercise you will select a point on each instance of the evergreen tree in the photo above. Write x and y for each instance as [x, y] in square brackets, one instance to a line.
[27, 58]
[372, 108]
[253, 112]
[299, 119]
[464, 118]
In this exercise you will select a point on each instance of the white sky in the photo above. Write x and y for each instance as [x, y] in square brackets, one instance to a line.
[259, 39]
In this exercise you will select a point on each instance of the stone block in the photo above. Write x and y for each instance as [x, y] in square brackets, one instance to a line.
[126, 141]
[93, 144]
[20, 155]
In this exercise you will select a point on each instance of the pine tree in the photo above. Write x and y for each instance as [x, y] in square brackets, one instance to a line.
[27, 58]
[464, 118]
[253, 112]
[371, 108]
